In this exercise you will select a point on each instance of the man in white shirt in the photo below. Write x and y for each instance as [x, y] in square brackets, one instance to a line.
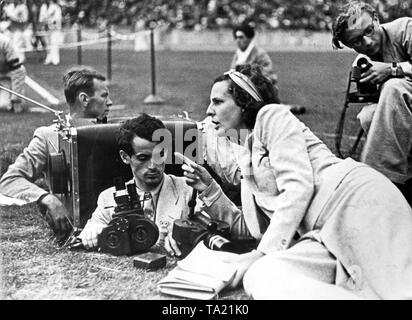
[167, 195]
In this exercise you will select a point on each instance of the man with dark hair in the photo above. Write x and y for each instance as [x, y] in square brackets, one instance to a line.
[19, 181]
[168, 196]
[389, 123]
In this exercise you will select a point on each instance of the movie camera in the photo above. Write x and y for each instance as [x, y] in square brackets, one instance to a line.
[129, 231]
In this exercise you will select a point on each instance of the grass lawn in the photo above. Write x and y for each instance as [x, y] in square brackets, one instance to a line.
[32, 265]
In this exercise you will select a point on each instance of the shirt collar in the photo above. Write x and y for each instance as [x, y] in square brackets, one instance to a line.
[154, 193]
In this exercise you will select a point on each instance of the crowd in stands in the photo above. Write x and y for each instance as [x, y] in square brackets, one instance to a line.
[209, 14]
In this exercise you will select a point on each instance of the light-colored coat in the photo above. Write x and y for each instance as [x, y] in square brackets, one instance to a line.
[30, 165]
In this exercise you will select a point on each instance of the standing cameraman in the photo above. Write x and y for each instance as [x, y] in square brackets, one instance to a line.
[389, 123]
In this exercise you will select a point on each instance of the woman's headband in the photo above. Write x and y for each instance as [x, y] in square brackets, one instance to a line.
[244, 82]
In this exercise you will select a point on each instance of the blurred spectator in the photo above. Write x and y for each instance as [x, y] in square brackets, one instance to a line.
[51, 16]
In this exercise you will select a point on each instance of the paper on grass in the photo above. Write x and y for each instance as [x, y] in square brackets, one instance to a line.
[201, 275]
[205, 261]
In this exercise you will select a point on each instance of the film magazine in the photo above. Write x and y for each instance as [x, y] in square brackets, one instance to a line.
[201, 275]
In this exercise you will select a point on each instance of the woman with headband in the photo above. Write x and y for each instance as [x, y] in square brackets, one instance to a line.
[327, 228]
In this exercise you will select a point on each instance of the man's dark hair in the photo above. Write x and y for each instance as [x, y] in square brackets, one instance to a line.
[80, 79]
[143, 126]
[246, 28]
[244, 100]
[340, 24]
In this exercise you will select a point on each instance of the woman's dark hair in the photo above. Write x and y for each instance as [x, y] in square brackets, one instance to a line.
[143, 126]
[244, 100]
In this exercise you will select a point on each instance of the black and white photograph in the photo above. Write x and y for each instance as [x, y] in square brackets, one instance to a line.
[205, 154]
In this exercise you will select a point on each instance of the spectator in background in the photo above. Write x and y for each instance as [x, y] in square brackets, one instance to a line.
[38, 28]
[18, 14]
[12, 68]
[248, 52]
[51, 16]
[88, 97]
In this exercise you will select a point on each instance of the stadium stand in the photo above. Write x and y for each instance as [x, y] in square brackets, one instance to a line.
[200, 14]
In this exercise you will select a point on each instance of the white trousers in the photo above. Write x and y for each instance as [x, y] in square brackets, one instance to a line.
[389, 131]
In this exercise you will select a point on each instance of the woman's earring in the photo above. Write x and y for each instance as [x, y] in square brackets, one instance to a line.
[243, 109]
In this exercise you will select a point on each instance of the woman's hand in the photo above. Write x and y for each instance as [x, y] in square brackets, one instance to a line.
[243, 262]
[197, 176]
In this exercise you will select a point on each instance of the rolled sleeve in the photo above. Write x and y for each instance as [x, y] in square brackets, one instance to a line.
[210, 194]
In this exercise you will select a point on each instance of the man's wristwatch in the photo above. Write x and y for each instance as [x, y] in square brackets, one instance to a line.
[394, 69]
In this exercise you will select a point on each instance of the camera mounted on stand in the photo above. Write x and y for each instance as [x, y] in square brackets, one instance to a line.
[130, 231]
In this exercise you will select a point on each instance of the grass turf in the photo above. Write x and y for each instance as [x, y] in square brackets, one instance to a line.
[32, 265]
